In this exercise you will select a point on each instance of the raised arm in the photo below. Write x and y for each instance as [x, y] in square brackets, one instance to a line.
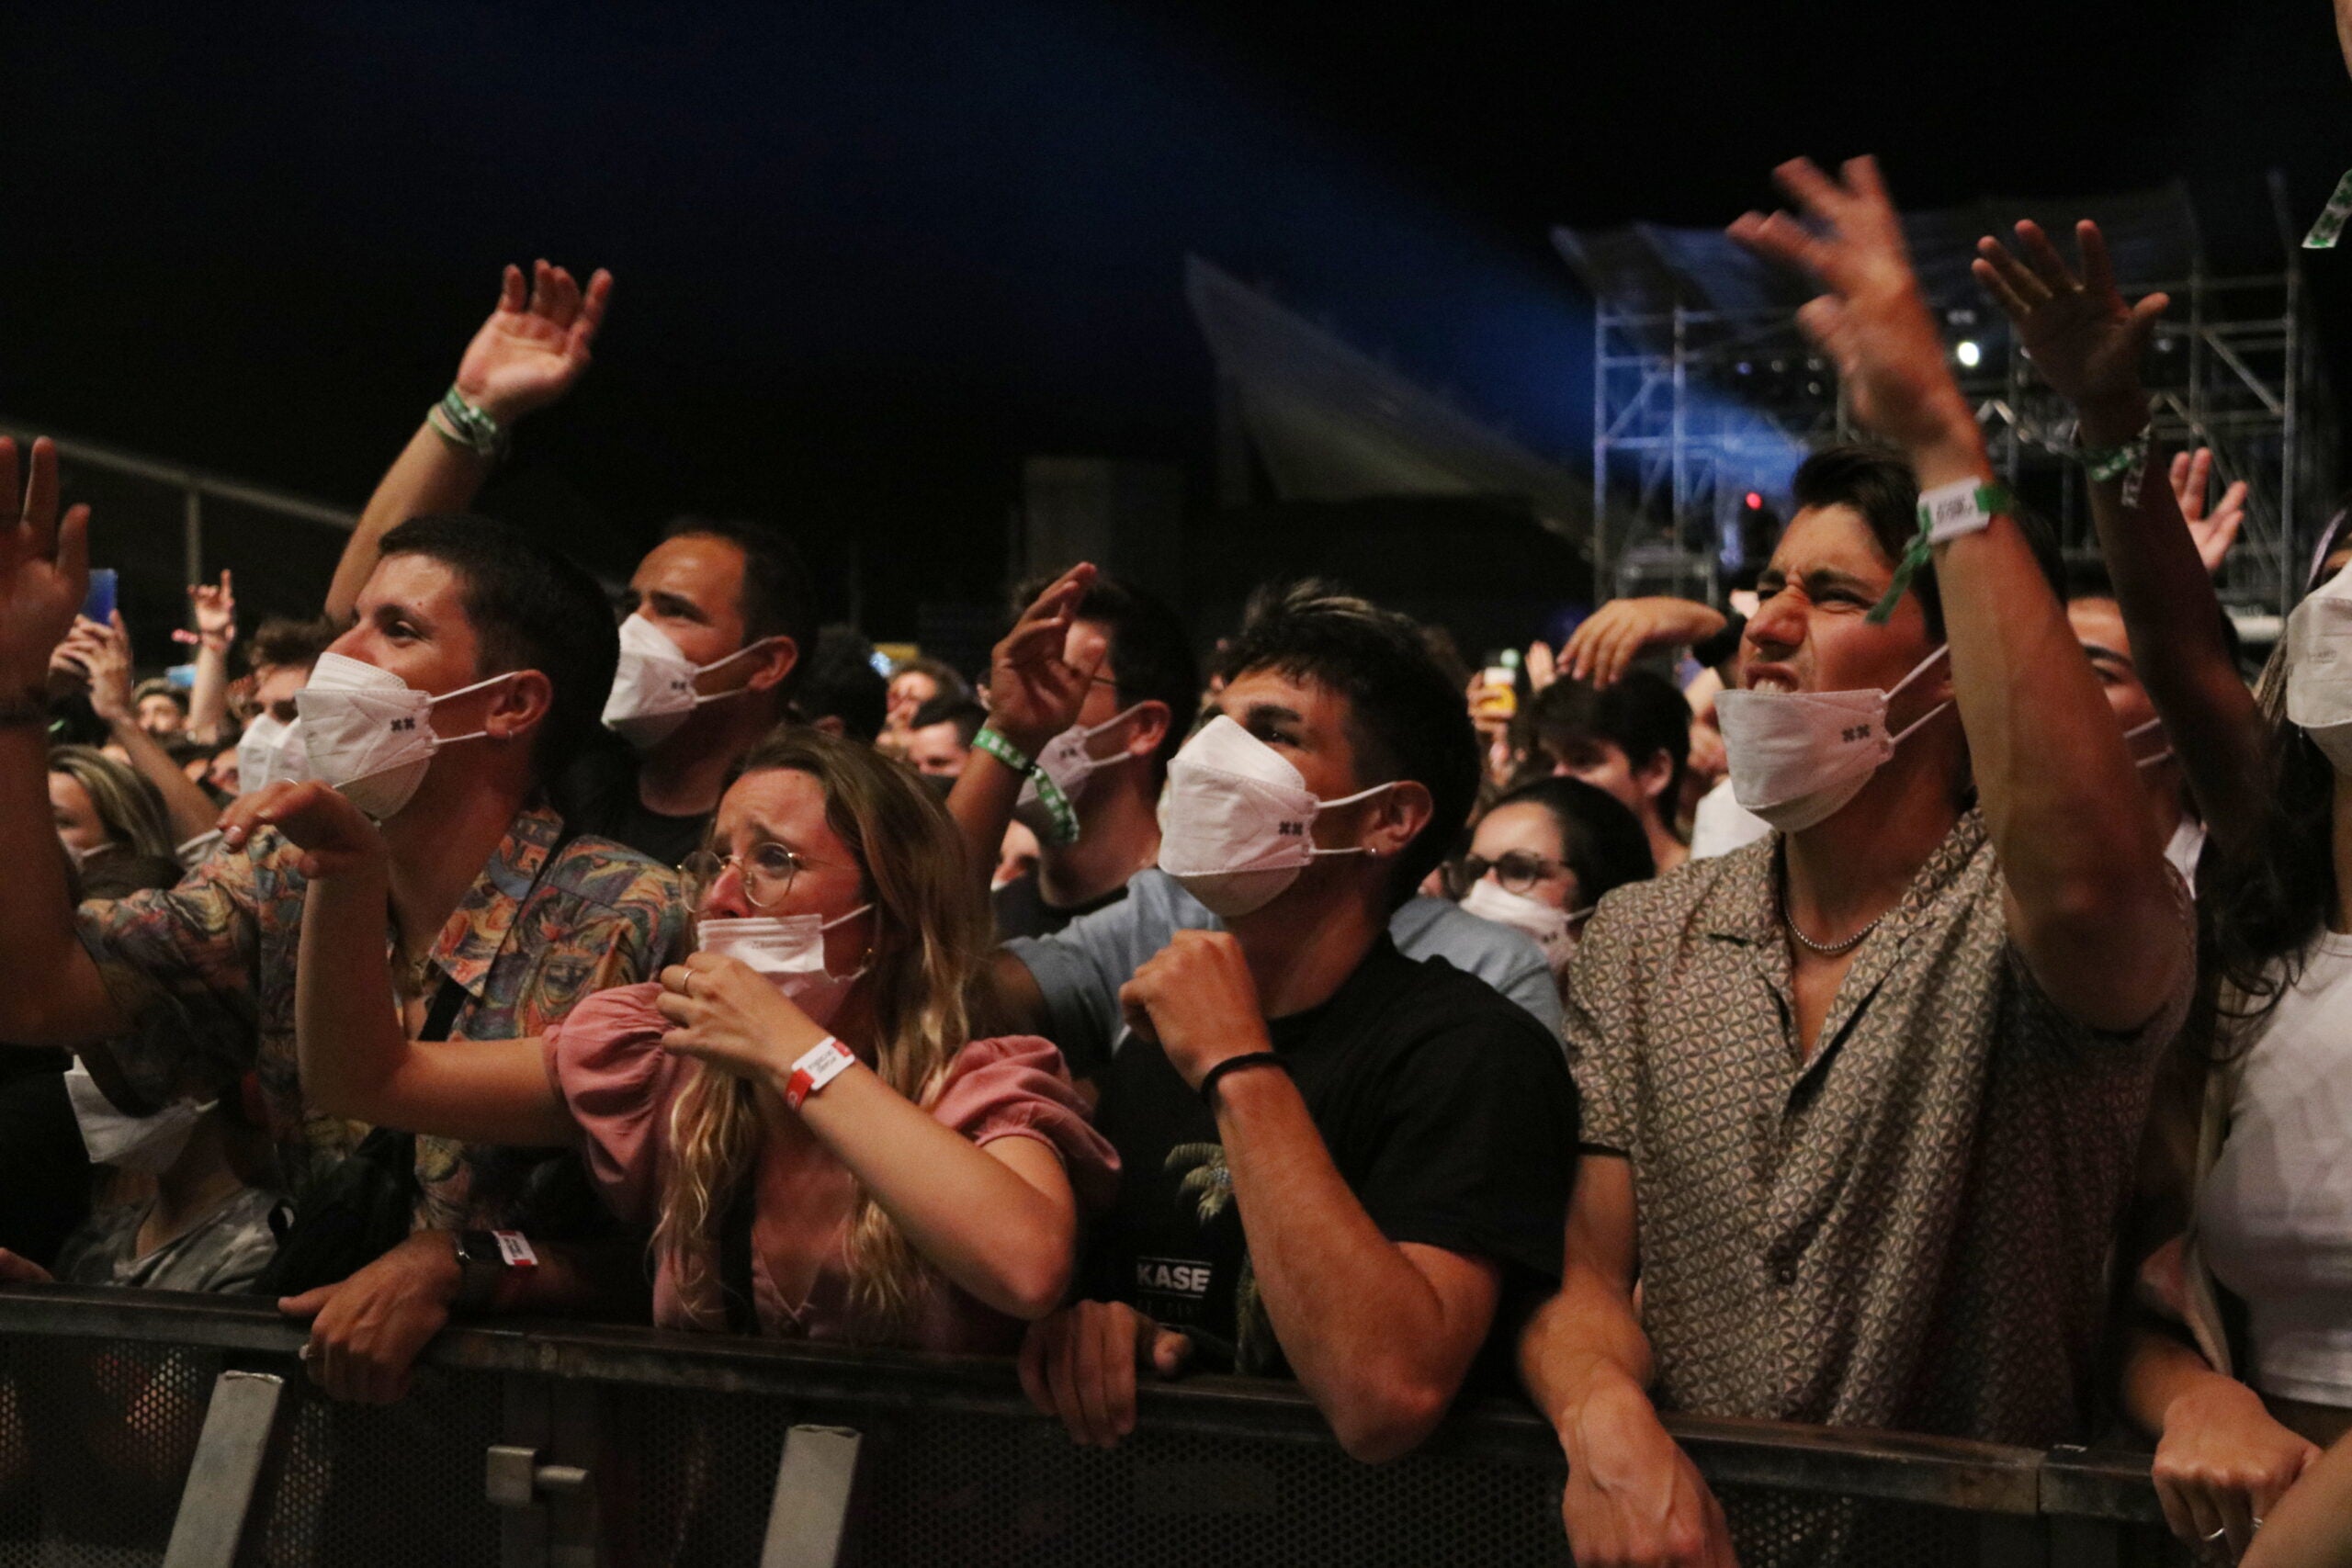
[1000, 1221]
[2087, 344]
[1605, 644]
[1034, 694]
[2090, 901]
[215, 610]
[104, 654]
[1633, 1495]
[357, 1057]
[529, 353]
[51, 993]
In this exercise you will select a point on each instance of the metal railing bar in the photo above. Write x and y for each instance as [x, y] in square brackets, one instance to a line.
[181, 476]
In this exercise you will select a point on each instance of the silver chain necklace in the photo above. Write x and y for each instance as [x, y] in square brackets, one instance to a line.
[1827, 949]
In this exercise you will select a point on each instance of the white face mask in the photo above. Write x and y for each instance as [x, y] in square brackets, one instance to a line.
[1238, 826]
[269, 751]
[1553, 929]
[1798, 757]
[1066, 761]
[653, 689]
[369, 734]
[131, 1142]
[790, 951]
[2319, 669]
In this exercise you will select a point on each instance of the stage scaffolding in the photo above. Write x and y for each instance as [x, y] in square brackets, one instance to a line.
[1705, 389]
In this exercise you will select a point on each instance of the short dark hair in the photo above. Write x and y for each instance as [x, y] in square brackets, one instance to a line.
[531, 608]
[1640, 713]
[1603, 843]
[842, 683]
[1406, 719]
[1151, 653]
[942, 674]
[281, 642]
[778, 599]
[965, 714]
[1878, 483]
[160, 686]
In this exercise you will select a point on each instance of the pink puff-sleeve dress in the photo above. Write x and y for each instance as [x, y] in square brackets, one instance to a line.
[605, 1059]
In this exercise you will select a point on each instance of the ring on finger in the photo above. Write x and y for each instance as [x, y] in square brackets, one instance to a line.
[2219, 1532]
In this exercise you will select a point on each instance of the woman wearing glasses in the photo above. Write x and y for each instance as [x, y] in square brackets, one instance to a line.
[1545, 855]
[799, 1112]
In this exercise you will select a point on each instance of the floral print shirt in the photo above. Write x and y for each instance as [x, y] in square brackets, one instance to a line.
[205, 973]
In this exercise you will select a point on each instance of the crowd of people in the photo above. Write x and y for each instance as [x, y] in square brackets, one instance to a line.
[1906, 1000]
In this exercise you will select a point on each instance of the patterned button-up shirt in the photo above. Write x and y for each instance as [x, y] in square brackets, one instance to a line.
[205, 973]
[1909, 1228]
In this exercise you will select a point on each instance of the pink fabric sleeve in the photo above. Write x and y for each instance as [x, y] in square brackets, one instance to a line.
[1017, 1087]
[606, 1063]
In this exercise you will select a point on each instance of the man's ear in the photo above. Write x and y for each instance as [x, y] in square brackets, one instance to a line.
[517, 707]
[776, 661]
[1400, 814]
[1148, 729]
[1653, 777]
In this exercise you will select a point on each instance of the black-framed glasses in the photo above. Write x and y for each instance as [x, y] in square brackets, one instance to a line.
[1517, 870]
[767, 870]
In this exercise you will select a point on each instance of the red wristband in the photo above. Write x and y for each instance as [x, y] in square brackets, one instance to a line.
[818, 1067]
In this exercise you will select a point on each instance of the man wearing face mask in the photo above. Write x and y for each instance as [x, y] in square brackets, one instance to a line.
[1337, 1162]
[719, 613]
[476, 668]
[1862, 1098]
[1090, 792]
[1065, 984]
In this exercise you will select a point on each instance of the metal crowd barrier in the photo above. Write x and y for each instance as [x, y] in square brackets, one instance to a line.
[141, 1428]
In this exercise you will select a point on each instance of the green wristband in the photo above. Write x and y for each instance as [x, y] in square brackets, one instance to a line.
[1057, 803]
[461, 423]
[1993, 500]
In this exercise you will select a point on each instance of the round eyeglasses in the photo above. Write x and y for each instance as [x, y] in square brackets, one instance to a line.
[766, 870]
[1518, 871]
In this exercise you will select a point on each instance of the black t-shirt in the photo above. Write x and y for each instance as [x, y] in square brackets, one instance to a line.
[1022, 910]
[597, 794]
[44, 1169]
[1448, 1111]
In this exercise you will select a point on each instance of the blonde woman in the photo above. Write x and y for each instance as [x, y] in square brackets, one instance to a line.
[923, 1191]
[111, 821]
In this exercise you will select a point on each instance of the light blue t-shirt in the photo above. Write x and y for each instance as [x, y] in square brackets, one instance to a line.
[1081, 968]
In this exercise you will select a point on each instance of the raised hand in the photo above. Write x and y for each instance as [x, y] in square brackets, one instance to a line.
[2215, 531]
[335, 839]
[216, 616]
[1034, 692]
[1873, 320]
[534, 345]
[1607, 642]
[103, 655]
[2077, 331]
[44, 571]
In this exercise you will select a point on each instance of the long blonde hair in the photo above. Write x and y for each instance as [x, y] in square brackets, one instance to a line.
[130, 808]
[927, 978]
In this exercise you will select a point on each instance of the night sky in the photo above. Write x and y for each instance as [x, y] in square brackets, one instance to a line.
[871, 255]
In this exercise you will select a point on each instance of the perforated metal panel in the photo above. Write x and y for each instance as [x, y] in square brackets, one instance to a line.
[356, 1486]
[95, 1447]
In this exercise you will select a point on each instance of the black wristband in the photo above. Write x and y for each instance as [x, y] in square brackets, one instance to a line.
[1235, 1064]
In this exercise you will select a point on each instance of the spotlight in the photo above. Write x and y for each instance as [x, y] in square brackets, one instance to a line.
[1969, 355]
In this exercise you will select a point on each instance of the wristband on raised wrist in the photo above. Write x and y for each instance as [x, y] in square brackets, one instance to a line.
[1216, 1074]
[994, 743]
[468, 425]
[1945, 513]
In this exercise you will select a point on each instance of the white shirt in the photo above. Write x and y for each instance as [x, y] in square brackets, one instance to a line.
[2276, 1214]
[2186, 847]
[1722, 824]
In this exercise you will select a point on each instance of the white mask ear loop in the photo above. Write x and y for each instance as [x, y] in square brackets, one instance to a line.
[2154, 758]
[1917, 671]
[439, 740]
[859, 973]
[1323, 805]
[749, 647]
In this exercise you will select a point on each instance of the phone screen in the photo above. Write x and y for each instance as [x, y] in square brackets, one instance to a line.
[99, 603]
